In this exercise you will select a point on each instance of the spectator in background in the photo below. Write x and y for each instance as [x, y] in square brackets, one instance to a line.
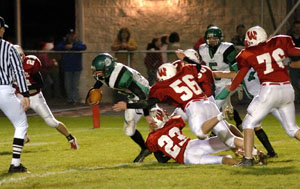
[173, 45]
[71, 63]
[164, 46]
[124, 42]
[295, 72]
[201, 40]
[238, 39]
[49, 70]
[153, 60]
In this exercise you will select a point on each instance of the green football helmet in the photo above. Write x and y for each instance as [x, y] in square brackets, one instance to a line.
[104, 62]
[213, 31]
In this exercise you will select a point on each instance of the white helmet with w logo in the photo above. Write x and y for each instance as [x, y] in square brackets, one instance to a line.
[254, 36]
[160, 116]
[165, 71]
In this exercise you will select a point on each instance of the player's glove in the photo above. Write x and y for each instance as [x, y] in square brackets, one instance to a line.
[93, 97]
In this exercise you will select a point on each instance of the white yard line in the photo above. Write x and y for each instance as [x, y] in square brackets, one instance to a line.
[21, 178]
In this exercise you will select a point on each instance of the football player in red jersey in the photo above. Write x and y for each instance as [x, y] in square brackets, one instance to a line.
[167, 141]
[182, 90]
[266, 57]
[32, 66]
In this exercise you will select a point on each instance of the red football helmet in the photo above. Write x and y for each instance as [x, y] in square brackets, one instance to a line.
[166, 71]
[254, 36]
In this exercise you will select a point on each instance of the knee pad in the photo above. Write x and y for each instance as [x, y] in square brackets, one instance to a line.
[248, 123]
[129, 127]
[51, 122]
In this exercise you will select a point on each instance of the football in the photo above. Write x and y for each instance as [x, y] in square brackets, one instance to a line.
[95, 96]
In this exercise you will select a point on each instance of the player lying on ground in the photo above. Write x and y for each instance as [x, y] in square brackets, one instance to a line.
[167, 141]
[32, 66]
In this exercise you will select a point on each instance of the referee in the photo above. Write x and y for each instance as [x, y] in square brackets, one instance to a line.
[11, 69]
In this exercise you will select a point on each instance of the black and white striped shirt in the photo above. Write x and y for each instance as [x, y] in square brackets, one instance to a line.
[11, 66]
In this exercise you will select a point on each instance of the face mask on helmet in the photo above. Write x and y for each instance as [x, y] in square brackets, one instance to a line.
[103, 65]
[160, 116]
[254, 36]
[213, 36]
[166, 71]
[192, 54]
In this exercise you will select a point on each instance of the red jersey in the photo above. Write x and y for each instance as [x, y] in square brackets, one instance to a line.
[169, 139]
[267, 60]
[206, 80]
[180, 89]
[31, 65]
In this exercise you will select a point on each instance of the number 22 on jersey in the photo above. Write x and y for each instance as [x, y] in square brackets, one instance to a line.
[191, 87]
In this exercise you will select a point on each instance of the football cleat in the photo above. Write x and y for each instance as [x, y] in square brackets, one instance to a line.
[140, 158]
[74, 144]
[272, 155]
[245, 163]
[17, 169]
[262, 158]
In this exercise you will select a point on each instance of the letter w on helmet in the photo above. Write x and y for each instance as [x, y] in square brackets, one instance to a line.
[166, 71]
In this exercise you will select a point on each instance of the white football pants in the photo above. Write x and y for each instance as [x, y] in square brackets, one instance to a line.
[12, 108]
[280, 97]
[39, 105]
[198, 151]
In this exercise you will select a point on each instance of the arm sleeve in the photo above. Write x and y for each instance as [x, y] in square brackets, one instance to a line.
[18, 71]
[161, 157]
[98, 84]
[60, 46]
[37, 77]
[78, 46]
[143, 104]
[186, 59]
[239, 78]
[133, 87]
[230, 54]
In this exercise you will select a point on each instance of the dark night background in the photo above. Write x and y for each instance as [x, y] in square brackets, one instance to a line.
[40, 20]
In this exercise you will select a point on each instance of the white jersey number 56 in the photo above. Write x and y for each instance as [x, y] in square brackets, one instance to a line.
[189, 89]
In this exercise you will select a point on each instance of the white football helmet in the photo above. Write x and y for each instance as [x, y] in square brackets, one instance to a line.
[254, 36]
[192, 54]
[166, 71]
[160, 116]
[20, 51]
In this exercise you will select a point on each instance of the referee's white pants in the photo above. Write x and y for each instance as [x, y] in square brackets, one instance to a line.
[12, 108]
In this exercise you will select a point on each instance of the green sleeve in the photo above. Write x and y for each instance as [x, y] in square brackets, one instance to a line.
[125, 80]
[234, 67]
[223, 94]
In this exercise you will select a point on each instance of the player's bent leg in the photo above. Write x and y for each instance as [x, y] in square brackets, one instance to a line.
[197, 151]
[263, 138]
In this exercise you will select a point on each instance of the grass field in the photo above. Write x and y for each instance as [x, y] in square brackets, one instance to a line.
[105, 156]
